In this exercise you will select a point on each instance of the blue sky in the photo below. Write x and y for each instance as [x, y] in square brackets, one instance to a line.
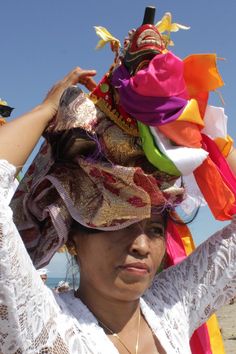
[42, 40]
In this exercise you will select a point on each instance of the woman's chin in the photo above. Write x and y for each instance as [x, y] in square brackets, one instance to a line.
[131, 289]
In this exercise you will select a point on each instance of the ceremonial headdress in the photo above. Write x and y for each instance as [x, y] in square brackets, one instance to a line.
[111, 157]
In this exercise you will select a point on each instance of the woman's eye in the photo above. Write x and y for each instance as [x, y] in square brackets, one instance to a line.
[156, 230]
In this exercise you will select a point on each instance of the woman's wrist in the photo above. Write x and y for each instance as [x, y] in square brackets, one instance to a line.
[45, 112]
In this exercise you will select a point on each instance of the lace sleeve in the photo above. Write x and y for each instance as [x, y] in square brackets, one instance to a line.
[184, 296]
[27, 307]
[208, 276]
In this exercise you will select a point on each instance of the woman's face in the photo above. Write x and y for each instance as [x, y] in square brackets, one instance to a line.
[121, 264]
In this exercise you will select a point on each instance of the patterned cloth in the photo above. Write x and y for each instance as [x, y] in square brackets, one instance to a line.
[88, 170]
[180, 299]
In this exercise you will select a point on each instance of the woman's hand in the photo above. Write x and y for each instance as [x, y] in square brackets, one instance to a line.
[19, 136]
[78, 75]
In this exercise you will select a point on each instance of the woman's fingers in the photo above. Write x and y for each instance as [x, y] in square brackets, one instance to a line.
[91, 84]
[74, 77]
[86, 79]
[88, 82]
[81, 76]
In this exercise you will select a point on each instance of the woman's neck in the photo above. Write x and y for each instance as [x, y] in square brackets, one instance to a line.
[114, 313]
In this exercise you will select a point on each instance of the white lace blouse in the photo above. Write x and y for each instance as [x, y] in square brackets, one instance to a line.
[34, 320]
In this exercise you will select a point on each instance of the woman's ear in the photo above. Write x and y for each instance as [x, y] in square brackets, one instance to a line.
[71, 249]
[71, 244]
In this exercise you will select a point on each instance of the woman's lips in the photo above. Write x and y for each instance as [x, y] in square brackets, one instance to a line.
[137, 267]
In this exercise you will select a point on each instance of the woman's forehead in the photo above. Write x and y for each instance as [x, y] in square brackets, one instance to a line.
[156, 217]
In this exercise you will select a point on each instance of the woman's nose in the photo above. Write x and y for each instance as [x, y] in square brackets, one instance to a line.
[140, 245]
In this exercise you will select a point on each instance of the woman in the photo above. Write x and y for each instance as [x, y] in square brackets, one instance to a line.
[122, 305]
[103, 185]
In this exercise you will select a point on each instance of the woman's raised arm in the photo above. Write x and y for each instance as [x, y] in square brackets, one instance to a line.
[19, 137]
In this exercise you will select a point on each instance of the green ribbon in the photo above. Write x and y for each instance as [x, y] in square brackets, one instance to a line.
[153, 154]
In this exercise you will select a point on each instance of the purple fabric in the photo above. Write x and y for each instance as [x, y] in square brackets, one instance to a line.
[149, 110]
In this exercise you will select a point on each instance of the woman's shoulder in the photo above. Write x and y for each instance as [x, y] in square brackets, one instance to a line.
[73, 306]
